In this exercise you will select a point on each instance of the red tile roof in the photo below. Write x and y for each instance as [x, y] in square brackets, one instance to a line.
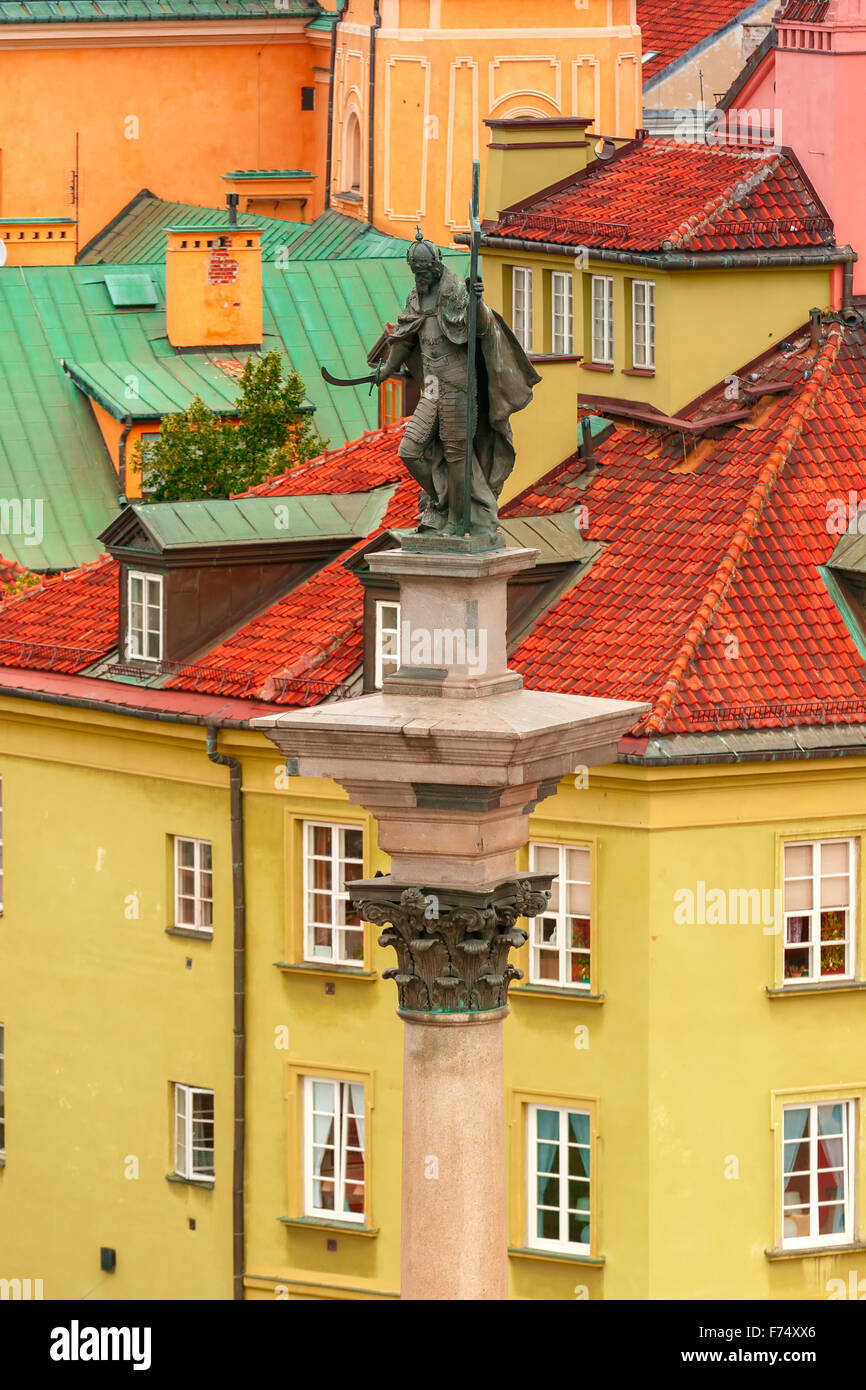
[671, 30]
[66, 623]
[661, 195]
[707, 599]
[366, 463]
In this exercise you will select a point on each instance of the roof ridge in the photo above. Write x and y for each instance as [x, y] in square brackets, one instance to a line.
[723, 203]
[739, 542]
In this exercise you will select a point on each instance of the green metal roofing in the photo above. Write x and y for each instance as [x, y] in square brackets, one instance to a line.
[130, 290]
[109, 11]
[35, 221]
[334, 234]
[150, 388]
[137, 235]
[269, 174]
[236, 521]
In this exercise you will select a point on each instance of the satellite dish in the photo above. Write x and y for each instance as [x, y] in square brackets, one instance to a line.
[605, 149]
[2, 253]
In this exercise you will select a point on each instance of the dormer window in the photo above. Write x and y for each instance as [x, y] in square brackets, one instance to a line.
[144, 623]
[387, 640]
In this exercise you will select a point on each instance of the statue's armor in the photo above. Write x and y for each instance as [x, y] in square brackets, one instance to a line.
[442, 405]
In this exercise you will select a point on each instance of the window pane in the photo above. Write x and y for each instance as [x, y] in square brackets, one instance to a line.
[321, 837]
[353, 844]
[798, 861]
[834, 857]
[578, 1127]
[834, 892]
[798, 894]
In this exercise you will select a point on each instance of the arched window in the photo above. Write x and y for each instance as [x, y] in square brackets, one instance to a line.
[352, 153]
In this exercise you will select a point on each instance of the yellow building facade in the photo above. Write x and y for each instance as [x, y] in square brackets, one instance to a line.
[681, 1053]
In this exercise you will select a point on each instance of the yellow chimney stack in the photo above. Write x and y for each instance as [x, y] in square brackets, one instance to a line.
[528, 153]
[213, 286]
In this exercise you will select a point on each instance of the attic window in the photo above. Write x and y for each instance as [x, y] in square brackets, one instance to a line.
[144, 623]
[648, 57]
[130, 291]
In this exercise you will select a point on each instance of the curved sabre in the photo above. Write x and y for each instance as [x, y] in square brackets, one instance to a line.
[352, 381]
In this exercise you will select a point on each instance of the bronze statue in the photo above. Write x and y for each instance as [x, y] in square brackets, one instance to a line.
[431, 338]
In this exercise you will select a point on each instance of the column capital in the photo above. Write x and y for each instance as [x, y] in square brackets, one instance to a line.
[452, 944]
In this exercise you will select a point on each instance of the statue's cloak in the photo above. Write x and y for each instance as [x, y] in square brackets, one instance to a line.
[505, 378]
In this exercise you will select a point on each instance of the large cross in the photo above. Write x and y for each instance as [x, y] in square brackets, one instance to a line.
[471, 340]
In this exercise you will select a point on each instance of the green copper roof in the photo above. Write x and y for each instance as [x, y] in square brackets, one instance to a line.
[137, 235]
[269, 173]
[145, 388]
[111, 11]
[130, 290]
[235, 521]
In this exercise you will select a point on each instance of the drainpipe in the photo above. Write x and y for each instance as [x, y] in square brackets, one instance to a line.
[849, 313]
[121, 460]
[377, 24]
[328, 155]
[239, 974]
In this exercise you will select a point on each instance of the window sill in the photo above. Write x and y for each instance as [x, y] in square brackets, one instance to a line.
[524, 1253]
[326, 971]
[349, 196]
[206, 1183]
[554, 357]
[638, 371]
[815, 987]
[807, 1252]
[315, 1223]
[557, 992]
[189, 933]
[597, 367]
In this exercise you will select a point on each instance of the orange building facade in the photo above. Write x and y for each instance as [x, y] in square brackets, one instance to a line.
[425, 75]
[92, 112]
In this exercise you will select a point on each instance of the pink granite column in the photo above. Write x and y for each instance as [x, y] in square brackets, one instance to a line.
[454, 1208]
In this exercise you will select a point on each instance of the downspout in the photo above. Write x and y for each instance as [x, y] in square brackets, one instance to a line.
[121, 460]
[239, 988]
[328, 154]
[849, 313]
[377, 24]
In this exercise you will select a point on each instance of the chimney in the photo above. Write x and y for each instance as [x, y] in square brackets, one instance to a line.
[213, 286]
[527, 154]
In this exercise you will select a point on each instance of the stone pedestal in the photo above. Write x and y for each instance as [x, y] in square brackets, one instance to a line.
[451, 757]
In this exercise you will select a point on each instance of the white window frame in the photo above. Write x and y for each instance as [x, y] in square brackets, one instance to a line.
[643, 338]
[813, 944]
[184, 1119]
[339, 1091]
[601, 316]
[384, 630]
[521, 305]
[533, 1240]
[202, 852]
[337, 893]
[562, 313]
[849, 1128]
[2, 1090]
[137, 639]
[561, 914]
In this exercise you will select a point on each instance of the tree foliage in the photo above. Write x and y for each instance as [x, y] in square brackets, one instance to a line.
[202, 454]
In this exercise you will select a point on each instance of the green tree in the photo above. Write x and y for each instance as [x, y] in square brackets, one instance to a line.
[201, 454]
